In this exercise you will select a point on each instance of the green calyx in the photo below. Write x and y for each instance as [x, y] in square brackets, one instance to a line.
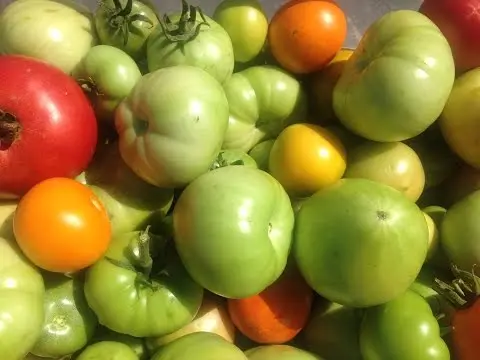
[463, 290]
[187, 27]
[121, 18]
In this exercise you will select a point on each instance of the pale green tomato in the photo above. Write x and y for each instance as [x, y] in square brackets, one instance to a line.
[21, 294]
[398, 80]
[246, 23]
[261, 153]
[233, 230]
[172, 125]
[263, 101]
[108, 74]
[58, 32]
[205, 45]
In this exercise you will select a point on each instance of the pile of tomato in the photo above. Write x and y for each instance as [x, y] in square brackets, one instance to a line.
[191, 186]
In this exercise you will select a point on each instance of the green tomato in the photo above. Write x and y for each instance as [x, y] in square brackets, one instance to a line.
[138, 345]
[172, 125]
[233, 157]
[332, 331]
[460, 231]
[263, 101]
[191, 38]
[58, 32]
[382, 92]
[246, 24]
[279, 352]
[126, 24]
[108, 74]
[137, 294]
[261, 153]
[129, 201]
[247, 250]
[108, 350]
[199, 346]
[360, 243]
[69, 322]
[21, 294]
[403, 328]
[437, 259]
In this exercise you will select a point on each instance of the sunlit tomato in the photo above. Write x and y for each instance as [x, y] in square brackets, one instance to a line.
[61, 225]
[306, 158]
[278, 313]
[305, 35]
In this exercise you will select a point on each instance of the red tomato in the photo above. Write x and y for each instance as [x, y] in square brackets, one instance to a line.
[47, 125]
[277, 314]
[305, 35]
[61, 225]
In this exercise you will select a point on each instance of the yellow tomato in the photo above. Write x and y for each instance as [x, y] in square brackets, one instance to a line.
[322, 85]
[306, 158]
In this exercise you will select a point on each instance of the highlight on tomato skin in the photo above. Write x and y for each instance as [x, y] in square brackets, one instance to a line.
[62, 226]
[277, 314]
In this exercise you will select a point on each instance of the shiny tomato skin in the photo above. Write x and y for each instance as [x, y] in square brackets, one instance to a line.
[62, 226]
[465, 333]
[58, 129]
[305, 35]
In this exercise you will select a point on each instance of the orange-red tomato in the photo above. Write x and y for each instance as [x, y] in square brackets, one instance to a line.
[277, 314]
[465, 332]
[61, 225]
[306, 158]
[305, 35]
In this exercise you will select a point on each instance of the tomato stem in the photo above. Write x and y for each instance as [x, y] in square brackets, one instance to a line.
[187, 27]
[121, 18]
[10, 130]
[463, 290]
[220, 161]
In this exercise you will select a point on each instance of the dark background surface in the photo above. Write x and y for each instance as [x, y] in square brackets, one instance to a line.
[361, 13]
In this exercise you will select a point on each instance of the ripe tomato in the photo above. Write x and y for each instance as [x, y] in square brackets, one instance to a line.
[305, 35]
[61, 225]
[306, 158]
[278, 313]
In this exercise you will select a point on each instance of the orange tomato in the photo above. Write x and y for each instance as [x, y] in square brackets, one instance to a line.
[277, 314]
[305, 35]
[306, 158]
[61, 226]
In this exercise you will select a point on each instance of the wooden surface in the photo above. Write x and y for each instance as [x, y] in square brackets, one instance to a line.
[361, 13]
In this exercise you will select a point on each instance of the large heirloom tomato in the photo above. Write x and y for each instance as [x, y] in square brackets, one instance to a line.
[47, 126]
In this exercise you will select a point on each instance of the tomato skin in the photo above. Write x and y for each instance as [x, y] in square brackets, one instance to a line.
[263, 100]
[123, 292]
[61, 225]
[358, 226]
[58, 32]
[69, 322]
[305, 35]
[465, 334]
[21, 294]
[107, 350]
[110, 74]
[403, 328]
[139, 30]
[246, 24]
[28, 86]
[199, 346]
[306, 158]
[190, 124]
[277, 314]
[211, 50]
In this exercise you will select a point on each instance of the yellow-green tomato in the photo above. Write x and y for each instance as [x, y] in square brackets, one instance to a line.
[21, 295]
[246, 23]
[108, 74]
[108, 350]
[58, 32]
